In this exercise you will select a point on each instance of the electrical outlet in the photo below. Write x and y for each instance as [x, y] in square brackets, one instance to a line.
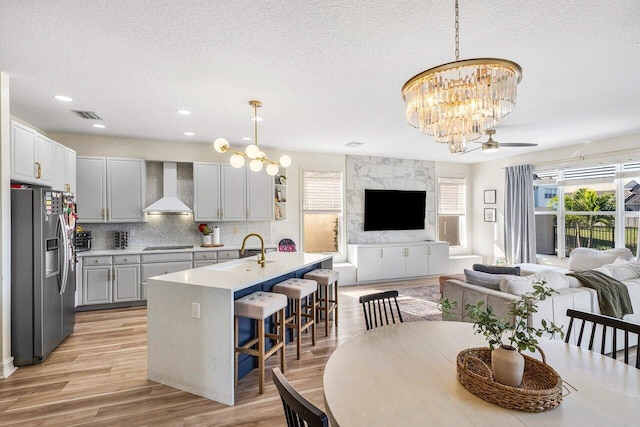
[195, 310]
[235, 230]
[132, 233]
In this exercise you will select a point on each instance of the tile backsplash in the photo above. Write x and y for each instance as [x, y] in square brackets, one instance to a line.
[162, 230]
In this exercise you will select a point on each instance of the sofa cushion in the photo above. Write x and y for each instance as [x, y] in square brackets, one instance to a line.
[622, 270]
[520, 285]
[486, 280]
[582, 259]
[496, 269]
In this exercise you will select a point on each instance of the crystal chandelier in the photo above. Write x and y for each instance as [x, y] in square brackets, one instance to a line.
[457, 102]
[252, 152]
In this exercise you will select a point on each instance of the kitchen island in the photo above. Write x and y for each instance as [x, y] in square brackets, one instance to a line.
[190, 319]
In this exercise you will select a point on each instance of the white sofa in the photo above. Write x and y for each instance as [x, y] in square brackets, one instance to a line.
[574, 296]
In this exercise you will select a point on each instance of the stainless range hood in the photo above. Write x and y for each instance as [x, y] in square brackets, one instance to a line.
[169, 203]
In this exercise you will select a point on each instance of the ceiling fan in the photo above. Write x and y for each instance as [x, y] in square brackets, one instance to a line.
[490, 145]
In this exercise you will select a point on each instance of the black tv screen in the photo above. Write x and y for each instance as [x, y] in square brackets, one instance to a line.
[394, 210]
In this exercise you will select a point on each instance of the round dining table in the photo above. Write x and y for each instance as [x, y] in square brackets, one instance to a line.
[405, 375]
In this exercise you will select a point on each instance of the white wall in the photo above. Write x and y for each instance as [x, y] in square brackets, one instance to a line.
[488, 238]
[6, 361]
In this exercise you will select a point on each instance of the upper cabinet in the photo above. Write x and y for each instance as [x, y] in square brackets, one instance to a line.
[206, 192]
[64, 170]
[259, 196]
[233, 193]
[110, 189]
[224, 193]
[32, 156]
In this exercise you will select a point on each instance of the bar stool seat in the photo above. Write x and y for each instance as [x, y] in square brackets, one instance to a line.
[327, 286]
[297, 290]
[260, 306]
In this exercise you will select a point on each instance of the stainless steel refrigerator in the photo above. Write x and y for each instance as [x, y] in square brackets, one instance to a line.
[43, 280]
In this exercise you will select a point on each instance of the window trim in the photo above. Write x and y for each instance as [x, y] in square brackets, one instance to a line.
[464, 248]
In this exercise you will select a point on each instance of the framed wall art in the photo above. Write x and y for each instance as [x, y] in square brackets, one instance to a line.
[489, 214]
[490, 197]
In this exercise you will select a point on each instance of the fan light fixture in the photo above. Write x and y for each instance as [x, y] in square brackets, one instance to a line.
[252, 152]
[456, 102]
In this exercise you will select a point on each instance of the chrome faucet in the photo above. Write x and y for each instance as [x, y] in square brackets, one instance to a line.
[261, 258]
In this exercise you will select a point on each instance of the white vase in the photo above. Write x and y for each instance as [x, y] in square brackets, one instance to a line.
[507, 365]
[207, 239]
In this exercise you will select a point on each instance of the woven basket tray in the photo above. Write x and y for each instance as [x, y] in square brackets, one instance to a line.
[541, 387]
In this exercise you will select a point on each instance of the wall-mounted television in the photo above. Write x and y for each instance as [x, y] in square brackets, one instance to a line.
[394, 210]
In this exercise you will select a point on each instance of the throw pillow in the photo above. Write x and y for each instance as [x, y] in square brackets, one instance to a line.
[626, 270]
[496, 269]
[520, 285]
[582, 259]
[486, 280]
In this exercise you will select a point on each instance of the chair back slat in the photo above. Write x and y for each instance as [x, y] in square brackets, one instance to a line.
[606, 323]
[378, 309]
[298, 411]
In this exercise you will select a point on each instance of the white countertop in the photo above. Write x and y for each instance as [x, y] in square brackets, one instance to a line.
[140, 250]
[233, 275]
[413, 242]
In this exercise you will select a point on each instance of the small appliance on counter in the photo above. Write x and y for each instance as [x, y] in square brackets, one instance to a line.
[83, 240]
[122, 239]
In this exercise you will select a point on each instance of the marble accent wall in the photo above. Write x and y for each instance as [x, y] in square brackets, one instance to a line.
[163, 230]
[386, 173]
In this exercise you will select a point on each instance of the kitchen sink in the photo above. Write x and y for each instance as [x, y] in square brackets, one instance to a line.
[167, 248]
[242, 267]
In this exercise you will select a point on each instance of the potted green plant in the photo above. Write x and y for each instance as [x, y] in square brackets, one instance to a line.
[207, 239]
[508, 336]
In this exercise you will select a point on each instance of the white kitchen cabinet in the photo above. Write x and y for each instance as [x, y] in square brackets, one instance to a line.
[110, 189]
[233, 193]
[206, 192]
[64, 171]
[376, 262]
[32, 156]
[126, 278]
[91, 195]
[126, 189]
[126, 283]
[157, 264]
[438, 258]
[96, 285]
[260, 191]
[369, 263]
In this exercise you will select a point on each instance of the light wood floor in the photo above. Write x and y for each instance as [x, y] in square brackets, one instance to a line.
[98, 376]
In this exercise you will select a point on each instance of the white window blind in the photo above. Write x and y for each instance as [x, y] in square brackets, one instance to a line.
[451, 196]
[322, 192]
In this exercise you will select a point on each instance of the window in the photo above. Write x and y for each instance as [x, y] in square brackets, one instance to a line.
[452, 209]
[587, 205]
[322, 211]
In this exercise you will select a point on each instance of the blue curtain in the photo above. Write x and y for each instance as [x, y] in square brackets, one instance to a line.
[519, 215]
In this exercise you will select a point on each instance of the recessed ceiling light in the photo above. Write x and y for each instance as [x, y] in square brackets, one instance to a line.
[246, 138]
[189, 133]
[62, 98]
[184, 112]
[353, 144]
[98, 125]
[256, 119]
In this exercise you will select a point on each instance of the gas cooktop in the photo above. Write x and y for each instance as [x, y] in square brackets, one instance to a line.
[166, 248]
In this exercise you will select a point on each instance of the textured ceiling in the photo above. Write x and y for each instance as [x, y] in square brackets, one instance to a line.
[328, 72]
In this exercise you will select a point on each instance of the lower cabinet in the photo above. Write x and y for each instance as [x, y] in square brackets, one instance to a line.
[126, 283]
[377, 262]
[162, 263]
[96, 285]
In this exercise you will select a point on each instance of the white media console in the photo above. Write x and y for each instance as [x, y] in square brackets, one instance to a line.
[400, 260]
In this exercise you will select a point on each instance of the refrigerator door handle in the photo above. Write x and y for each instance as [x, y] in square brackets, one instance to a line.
[65, 250]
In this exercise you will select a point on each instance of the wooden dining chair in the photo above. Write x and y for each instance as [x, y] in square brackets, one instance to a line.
[298, 411]
[378, 309]
[608, 324]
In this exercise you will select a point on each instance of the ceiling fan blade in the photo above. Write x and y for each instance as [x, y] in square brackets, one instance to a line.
[516, 144]
[468, 151]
